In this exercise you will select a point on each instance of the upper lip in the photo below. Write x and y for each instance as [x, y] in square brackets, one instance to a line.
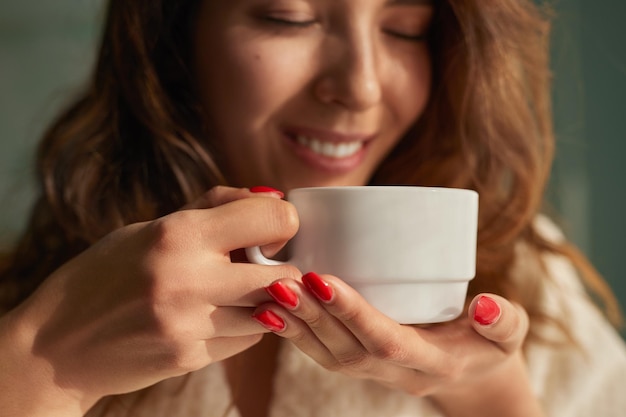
[328, 135]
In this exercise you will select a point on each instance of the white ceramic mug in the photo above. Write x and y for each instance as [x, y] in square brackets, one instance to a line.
[409, 251]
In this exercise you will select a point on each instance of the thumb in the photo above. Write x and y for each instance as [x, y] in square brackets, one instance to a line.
[497, 319]
[221, 195]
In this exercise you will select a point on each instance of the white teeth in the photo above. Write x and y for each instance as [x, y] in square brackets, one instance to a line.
[330, 149]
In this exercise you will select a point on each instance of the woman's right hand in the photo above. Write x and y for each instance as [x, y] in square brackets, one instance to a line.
[148, 302]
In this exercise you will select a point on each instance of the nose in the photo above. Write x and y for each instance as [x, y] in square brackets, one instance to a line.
[350, 76]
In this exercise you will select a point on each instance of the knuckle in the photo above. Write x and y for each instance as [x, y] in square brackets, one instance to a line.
[181, 358]
[287, 271]
[349, 315]
[292, 221]
[284, 216]
[391, 351]
[166, 328]
[298, 336]
[175, 231]
[359, 361]
[165, 231]
[316, 320]
[175, 351]
[450, 366]
[166, 287]
[170, 316]
[452, 370]
[211, 196]
[216, 191]
[220, 194]
[332, 366]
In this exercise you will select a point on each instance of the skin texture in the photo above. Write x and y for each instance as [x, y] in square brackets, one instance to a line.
[157, 313]
[333, 70]
[457, 363]
[344, 75]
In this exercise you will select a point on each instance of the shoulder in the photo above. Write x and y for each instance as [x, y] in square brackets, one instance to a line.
[581, 380]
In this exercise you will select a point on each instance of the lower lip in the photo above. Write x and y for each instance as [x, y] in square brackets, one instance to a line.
[325, 163]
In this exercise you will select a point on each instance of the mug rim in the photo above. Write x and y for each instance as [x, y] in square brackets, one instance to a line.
[390, 188]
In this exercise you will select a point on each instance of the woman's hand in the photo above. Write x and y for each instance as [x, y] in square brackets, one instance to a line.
[148, 302]
[471, 366]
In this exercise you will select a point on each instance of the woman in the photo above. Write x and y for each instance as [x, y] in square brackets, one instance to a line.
[129, 294]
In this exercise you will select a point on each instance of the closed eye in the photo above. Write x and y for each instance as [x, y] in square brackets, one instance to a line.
[406, 36]
[288, 22]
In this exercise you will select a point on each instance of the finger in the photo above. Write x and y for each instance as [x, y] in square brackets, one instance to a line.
[231, 322]
[220, 194]
[384, 338]
[344, 346]
[358, 363]
[248, 222]
[262, 191]
[278, 320]
[224, 347]
[499, 320]
[237, 224]
[205, 321]
[243, 284]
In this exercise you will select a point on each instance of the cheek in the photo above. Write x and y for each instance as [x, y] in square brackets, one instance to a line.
[250, 82]
[412, 86]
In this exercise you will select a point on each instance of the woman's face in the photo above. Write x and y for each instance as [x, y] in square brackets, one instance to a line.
[311, 92]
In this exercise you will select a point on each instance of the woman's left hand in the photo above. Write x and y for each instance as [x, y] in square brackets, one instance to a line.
[470, 366]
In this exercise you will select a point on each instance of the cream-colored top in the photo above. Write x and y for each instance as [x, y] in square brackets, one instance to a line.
[568, 382]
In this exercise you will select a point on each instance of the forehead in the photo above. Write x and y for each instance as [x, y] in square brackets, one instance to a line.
[217, 6]
[318, 2]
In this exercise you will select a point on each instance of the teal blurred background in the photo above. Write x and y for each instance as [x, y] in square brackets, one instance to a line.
[47, 48]
[588, 186]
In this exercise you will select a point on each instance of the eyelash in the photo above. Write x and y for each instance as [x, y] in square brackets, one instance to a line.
[293, 24]
[289, 23]
[408, 38]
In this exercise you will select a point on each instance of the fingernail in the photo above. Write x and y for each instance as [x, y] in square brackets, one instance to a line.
[264, 189]
[487, 311]
[270, 320]
[283, 294]
[318, 286]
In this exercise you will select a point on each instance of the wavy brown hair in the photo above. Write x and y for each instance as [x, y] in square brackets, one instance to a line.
[488, 127]
[132, 147]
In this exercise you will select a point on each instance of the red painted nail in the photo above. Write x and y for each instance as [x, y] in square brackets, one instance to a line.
[487, 311]
[283, 294]
[318, 286]
[264, 189]
[270, 320]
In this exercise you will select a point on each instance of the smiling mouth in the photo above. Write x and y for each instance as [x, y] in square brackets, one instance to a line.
[336, 150]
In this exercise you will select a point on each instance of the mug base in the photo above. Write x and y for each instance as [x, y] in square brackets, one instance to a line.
[416, 303]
